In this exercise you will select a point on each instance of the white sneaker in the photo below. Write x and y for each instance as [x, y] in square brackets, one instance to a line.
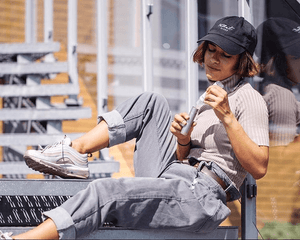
[59, 159]
[6, 235]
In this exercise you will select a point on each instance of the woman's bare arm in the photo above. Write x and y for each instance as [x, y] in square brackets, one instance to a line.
[252, 157]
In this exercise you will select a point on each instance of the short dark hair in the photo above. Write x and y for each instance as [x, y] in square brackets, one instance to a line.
[246, 66]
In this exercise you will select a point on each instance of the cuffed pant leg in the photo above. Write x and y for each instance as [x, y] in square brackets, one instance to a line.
[63, 221]
[147, 118]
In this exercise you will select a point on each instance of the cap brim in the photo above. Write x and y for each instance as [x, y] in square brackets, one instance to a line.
[227, 45]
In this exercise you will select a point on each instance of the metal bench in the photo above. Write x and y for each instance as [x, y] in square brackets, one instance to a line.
[21, 203]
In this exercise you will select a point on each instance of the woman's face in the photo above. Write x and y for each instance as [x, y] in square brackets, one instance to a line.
[293, 68]
[218, 64]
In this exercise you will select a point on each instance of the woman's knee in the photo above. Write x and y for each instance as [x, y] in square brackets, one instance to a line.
[157, 98]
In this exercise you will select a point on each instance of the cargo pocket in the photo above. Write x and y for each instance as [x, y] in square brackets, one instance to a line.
[212, 222]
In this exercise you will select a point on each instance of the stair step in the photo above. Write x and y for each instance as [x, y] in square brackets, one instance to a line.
[29, 48]
[38, 90]
[34, 139]
[33, 68]
[70, 113]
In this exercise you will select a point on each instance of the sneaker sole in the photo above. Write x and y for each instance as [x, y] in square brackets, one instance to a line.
[55, 169]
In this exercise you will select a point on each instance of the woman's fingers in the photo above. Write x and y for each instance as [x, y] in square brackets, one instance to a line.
[177, 124]
[215, 95]
[216, 91]
[180, 120]
[217, 98]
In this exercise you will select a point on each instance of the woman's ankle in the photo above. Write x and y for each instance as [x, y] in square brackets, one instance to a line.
[77, 146]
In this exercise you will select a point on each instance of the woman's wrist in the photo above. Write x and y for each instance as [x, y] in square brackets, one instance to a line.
[184, 143]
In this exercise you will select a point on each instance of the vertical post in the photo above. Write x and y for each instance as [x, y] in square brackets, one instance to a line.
[102, 56]
[147, 10]
[30, 21]
[245, 9]
[248, 216]
[48, 21]
[72, 42]
[248, 213]
[102, 64]
[191, 45]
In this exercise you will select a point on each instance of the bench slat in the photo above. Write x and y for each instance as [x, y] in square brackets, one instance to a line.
[95, 167]
[121, 233]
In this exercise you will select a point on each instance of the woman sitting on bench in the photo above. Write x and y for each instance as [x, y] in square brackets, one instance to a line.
[229, 138]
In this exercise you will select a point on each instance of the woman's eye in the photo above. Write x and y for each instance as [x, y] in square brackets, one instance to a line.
[227, 56]
[211, 50]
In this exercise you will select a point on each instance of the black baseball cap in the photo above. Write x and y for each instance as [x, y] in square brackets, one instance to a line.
[278, 35]
[233, 34]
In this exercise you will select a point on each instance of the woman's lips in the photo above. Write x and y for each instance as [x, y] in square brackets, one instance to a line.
[215, 69]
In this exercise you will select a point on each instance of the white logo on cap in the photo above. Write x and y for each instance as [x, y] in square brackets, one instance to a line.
[297, 30]
[225, 27]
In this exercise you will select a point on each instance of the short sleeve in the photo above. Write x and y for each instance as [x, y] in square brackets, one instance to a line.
[252, 114]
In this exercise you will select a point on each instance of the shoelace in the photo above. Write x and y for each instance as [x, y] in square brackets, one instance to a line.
[52, 145]
[55, 144]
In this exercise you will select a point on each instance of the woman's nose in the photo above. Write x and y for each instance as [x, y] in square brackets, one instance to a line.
[215, 58]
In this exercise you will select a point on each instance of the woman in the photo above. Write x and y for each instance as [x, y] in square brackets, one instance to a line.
[279, 54]
[228, 139]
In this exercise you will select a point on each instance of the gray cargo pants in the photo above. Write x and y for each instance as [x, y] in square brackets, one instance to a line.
[165, 194]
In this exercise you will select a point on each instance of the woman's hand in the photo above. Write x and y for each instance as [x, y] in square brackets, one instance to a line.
[180, 120]
[217, 98]
[183, 146]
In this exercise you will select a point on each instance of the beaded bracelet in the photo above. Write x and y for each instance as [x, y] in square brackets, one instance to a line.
[184, 145]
